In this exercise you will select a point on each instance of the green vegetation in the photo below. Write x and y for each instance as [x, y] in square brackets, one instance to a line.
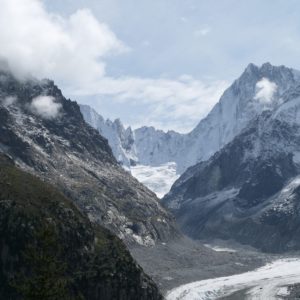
[50, 250]
[46, 272]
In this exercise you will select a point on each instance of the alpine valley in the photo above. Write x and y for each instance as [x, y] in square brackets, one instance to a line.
[238, 169]
[82, 194]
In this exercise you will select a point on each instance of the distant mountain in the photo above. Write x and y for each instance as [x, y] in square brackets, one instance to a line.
[249, 190]
[131, 149]
[121, 140]
[145, 145]
[239, 104]
[258, 89]
[50, 250]
[46, 135]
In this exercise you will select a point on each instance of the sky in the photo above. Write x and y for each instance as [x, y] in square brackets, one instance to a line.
[162, 63]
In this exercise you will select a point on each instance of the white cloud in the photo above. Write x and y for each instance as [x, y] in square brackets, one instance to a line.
[178, 104]
[10, 100]
[70, 49]
[265, 90]
[45, 106]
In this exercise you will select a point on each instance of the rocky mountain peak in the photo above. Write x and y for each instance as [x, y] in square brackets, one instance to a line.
[47, 136]
[258, 89]
[251, 68]
[248, 190]
[282, 76]
[120, 139]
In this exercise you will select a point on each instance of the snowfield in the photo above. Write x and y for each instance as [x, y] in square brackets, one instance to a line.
[219, 249]
[268, 282]
[157, 179]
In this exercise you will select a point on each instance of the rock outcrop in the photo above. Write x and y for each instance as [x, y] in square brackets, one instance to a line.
[47, 136]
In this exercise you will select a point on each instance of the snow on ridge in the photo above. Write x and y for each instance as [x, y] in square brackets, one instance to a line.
[120, 139]
[158, 178]
[152, 150]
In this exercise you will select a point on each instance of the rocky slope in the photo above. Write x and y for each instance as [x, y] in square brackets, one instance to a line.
[50, 250]
[47, 136]
[249, 190]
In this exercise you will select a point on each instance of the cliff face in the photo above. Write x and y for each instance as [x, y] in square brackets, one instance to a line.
[249, 190]
[47, 136]
[120, 139]
[50, 250]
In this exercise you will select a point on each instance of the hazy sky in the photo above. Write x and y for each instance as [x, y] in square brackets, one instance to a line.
[150, 62]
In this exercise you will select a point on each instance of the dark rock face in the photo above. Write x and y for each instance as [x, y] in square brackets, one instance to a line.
[247, 191]
[96, 265]
[68, 153]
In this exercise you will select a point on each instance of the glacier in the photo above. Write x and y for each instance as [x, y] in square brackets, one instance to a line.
[268, 282]
[158, 179]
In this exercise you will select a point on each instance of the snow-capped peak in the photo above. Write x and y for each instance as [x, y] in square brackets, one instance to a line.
[121, 140]
[256, 90]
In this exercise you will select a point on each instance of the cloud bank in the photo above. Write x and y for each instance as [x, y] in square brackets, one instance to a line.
[46, 107]
[71, 49]
[74, 50]
[177, 104]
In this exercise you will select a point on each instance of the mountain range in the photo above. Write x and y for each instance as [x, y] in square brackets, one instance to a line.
[239, 166]
[258, 89]
[249, 189]
[237, 175]
[46, 135]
